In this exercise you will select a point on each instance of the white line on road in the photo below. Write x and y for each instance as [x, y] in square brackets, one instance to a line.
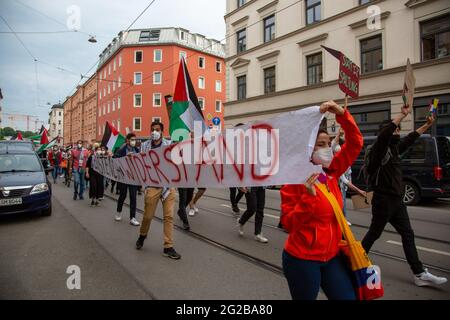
[265, 214]
[421, 248]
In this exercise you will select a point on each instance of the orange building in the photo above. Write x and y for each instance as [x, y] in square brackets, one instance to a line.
[140, 67]
[80, 113]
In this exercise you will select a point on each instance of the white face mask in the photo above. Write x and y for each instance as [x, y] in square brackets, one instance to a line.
[133, 143]
[80, 146]
[323, 156]
[156, 135]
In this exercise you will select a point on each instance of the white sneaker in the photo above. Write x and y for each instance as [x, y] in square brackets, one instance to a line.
[426, 279]
[195, 209]
[191, 212]
[240, 228]
[134, 222]
[118, 216]
[261, 238]
[349, 223]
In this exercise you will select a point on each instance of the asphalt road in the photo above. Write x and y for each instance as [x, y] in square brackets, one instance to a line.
[216, 262]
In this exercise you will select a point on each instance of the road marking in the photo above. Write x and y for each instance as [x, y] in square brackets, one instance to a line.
[265, 214]
[421, 248]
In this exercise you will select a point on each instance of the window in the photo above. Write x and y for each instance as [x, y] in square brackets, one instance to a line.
[137, 124]
[151, 35]
[441, 126]
[369, 116]
[361, 2]
[201, 62]
[100, 95]
[314, 68]
[201, 83]
[119, 82]
[114, 105]
[120, 60]
[182, 35]
[157, 99]
[218, 106]
[114, 65]
[138, 78]
[118, 125]
[109, 88]
[156, 119]
[313, 13]
[109, 69]
[138, 57]
[240, 3]
[104, 92]
[157, 77]
[59, 122]
[59, 113]
[218, 86]
[107, 109]
[119, 100]
[137, 100]
[371, 54]
[114, 85]
[157, 55]
[218, 66]
[104, 73]
[201, 103]
[241, 87]
[241, 41]
[59, 132]
[269, 80]
[435, 36]
[104, 109]
[99, 112]
[183, 55]
[269, 28]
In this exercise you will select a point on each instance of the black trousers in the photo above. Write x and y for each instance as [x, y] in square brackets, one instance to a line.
[123, 188]
[185, 196]
[97, 185]
[256, 200]
[386, 208]
[234, 199]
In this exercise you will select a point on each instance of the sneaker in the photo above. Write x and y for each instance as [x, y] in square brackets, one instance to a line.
[195, 209]
[118, 216]
[235, 209]
[349, 223]
[426, 279]
[92, 203]
[81, 198]
[97, 203]
[101, 198]
[186, 226]
[240, 228]
[261, 238]
[74, 196]
[140, 242]
[134, 222]
[171, 253]
[191, 212]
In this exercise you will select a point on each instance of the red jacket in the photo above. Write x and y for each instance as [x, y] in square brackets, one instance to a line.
[51, 157]
[314, 233]
[76, 158]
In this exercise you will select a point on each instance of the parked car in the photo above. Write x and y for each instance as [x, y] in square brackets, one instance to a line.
[16, 145]
[426, 169]
[24, 186]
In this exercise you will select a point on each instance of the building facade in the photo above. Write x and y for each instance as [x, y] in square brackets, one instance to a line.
[56, 121]
[80, 113]
[275, 62]
[139, 68]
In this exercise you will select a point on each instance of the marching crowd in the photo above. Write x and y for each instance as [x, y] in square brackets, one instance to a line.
[311, 257]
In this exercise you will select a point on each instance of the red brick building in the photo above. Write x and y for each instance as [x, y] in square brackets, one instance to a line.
[140, 67]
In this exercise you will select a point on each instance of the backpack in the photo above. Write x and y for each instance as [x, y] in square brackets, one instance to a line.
[372, 179]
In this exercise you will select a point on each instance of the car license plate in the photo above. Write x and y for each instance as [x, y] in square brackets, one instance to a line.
[10, 202]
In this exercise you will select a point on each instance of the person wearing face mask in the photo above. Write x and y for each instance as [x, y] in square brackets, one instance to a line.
[386, 180]
[155, 194]
[79, 160]
[95, 178]
[311, 258]
[128, 148]
[55, 159]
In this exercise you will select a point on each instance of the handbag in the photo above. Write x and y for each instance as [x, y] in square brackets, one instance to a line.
[366, 277]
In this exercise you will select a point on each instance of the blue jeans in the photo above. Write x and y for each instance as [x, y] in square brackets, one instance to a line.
[55, 173]
[79, 181]
[306, 277]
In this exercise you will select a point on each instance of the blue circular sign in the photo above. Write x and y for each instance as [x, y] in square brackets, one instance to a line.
[216, 121]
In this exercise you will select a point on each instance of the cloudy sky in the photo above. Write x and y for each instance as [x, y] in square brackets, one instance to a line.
[26, 91]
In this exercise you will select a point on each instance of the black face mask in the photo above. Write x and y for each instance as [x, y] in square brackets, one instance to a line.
[395, 140]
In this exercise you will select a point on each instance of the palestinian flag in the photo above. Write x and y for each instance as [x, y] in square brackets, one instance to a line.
[112, 139]
[185, 108]
[44, 137]
[19, 136]
[48, 145]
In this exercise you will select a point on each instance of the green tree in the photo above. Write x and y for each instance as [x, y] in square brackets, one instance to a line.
[8, 131]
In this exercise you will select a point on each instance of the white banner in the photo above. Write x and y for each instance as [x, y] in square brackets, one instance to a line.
[261, 153]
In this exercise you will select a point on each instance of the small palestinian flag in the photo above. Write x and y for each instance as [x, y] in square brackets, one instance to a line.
[112, 139]
[185, 108]
[44, 137]
[19, 136]
[48, 145]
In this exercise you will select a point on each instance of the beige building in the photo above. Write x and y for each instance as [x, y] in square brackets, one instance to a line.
[80, 113]
[56, 121]
[275, 62]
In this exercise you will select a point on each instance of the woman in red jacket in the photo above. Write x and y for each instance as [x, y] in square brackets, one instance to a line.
[311, 256]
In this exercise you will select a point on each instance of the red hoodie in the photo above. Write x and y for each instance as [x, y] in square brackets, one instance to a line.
[314, 233]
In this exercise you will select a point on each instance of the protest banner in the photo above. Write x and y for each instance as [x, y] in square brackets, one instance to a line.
[409, 86]
[348, 73]
[261, 153]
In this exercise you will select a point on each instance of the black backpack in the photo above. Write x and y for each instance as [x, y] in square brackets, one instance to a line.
[371, 179]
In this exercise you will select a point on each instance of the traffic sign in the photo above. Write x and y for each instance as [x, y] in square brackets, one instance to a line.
[216, 121]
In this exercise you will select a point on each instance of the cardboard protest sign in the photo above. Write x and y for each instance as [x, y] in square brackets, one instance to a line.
[348, 73]
[409, 85]
[359, 202]
[261, 153]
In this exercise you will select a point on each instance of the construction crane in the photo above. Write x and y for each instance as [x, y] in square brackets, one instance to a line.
[15, 117]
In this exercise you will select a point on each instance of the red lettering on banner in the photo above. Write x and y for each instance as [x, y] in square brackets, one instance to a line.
[149, 168]
[156, 165]
[168, 150]
[128, 170]
[138, 160]
[240, 173]
[199, 166]
[275, 156]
